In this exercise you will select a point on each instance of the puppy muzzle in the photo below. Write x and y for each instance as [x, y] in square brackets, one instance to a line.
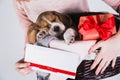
[56, 29]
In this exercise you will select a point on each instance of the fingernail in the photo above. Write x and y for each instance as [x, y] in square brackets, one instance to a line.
[96, 73]
[30, 68]
[28, 63]
[91, 68]
[101, 71]
[113, 67]
[90, 51]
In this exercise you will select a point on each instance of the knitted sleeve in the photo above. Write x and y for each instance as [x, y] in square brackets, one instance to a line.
[22, 17]
[114, 3]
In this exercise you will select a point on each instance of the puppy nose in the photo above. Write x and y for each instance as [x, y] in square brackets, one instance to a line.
[56, 28]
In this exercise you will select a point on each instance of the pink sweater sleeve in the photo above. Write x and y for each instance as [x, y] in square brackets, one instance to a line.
[113, 3]
[25, 22]
[23, 19]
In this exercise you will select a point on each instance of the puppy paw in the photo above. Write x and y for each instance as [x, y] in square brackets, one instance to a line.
[42, 34]
[69, 36]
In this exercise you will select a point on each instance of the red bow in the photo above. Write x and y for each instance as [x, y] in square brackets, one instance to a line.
[103, 28]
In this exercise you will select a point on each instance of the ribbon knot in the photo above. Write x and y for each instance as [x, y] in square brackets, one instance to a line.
[103, 28]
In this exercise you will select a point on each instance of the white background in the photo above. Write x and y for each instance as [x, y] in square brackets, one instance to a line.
[11, 43]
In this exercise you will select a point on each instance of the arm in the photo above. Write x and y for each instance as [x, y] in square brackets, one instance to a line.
[113, 3]
[23, 18]
[109, 48]
[109, 51]
[21, 67]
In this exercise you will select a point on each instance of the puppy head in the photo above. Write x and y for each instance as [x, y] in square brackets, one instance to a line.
[56, 23]
[50, 21]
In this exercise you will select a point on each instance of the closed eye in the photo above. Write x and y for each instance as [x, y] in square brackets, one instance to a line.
[54, 20]
[48, 26]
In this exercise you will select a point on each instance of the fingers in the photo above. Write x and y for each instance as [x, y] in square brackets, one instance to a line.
[23, 68]
[105, 66]
[24, 71]
[96, 62]
[113, 62]
[94, 47]
[101, 65]
[22, 65]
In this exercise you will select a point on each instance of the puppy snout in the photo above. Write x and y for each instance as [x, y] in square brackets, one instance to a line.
[56, 28]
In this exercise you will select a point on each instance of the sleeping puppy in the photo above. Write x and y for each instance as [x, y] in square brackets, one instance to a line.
[54, 24]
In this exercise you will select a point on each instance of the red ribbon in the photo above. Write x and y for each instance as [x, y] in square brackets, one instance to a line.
[103, 28]
[53, 69]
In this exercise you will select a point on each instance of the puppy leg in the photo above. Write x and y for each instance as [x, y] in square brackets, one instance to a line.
[42, 34]
[69, 35]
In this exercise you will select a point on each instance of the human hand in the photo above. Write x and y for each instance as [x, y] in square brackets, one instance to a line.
[23, 68]
[109, 51]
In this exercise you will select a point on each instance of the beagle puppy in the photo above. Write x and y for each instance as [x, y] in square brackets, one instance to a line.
[54, 24]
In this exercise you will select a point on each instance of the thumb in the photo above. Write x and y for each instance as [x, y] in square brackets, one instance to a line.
[94, 47]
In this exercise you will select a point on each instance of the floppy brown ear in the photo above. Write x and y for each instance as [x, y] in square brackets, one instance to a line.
[64, 18]
[32, 32]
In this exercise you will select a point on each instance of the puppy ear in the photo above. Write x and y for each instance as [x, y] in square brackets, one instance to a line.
[64, 18]
[32, 32]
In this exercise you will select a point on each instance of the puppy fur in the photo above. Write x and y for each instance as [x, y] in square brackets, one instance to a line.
[52, 23]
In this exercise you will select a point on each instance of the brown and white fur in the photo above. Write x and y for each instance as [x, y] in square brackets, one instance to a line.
[54, 24]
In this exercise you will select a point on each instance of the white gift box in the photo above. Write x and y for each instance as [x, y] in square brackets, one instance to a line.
[55, 61]
[51, 60]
